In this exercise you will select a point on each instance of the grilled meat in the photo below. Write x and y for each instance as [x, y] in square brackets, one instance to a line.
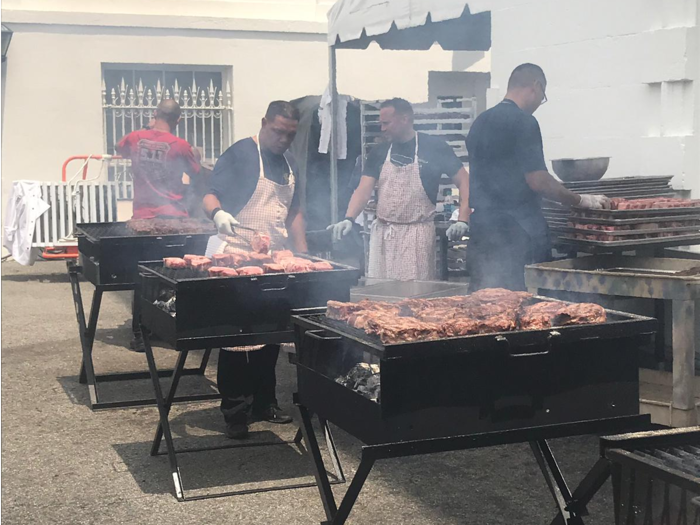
[486, 311]
[201, 263]
[168, 226]
[174, 262]
[282, 254]
[547, 314]
[259, 258]
[273, 268]
[260, 242]
[222, 259]
[250, 270]
[216, 271]
[321, 266]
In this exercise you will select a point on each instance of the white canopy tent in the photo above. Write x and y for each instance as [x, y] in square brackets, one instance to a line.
[457, 25]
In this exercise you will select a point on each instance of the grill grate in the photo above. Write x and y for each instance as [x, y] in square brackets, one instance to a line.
[97, 231]
[683, 458]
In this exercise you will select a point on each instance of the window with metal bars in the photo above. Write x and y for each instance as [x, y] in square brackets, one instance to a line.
[131, 92]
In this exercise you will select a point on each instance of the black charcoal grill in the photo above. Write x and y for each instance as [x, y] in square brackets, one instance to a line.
[110, 252]
[468, 392]
[655, 475]
[212, 312]
[109, 255]
[250, 309]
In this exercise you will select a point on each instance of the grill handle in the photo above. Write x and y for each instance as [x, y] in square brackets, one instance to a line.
[273, 287]
[316, 334]
[552, 339]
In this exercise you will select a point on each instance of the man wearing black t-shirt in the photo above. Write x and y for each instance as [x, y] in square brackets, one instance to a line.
[253, 186]
[508, 178]
[406, 170]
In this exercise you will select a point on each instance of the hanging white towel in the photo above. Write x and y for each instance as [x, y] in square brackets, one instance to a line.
[324, 116]
[24, 207]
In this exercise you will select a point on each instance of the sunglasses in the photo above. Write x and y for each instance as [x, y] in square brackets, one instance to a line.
[544, 95]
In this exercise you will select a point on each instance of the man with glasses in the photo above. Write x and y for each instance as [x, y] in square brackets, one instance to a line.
[508, 178]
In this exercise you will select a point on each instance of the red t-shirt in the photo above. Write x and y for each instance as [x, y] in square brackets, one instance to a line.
[158, 160]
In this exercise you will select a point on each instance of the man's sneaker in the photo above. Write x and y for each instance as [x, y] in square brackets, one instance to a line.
[273, 414]
[236, 430]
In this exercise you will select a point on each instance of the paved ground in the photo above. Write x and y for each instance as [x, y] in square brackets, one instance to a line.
[63, 464]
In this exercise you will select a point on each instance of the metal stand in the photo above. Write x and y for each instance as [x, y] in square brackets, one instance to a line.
[87, 340]
[571, 506]
[163, 432]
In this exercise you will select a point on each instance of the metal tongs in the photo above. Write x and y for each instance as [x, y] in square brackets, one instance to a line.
[225, 238]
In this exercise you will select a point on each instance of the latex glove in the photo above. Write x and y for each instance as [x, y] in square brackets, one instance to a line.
[594, 202]
[224, 222]
[457, 230]
[340, 229]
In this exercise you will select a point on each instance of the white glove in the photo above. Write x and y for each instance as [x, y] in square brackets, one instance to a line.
[224, 222]
[594, 202]
[340, 229]
[457, 230]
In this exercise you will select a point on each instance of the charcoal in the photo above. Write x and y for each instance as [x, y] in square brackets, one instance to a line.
[365, 379]
[167, 305]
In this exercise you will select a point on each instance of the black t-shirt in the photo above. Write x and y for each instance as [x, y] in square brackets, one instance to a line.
[435, 158]
[237, 171]
[504, 144]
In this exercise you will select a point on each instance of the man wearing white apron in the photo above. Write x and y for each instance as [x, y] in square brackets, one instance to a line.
[253, 186]
[406, 171]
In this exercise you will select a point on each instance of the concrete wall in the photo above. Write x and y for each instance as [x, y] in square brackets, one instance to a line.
[624, 79]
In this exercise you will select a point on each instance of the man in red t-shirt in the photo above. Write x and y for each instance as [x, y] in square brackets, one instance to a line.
[158, 160]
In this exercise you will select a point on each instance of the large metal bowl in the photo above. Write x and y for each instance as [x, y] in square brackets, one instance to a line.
[575, 170]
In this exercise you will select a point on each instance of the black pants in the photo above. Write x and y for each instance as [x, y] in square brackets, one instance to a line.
[499, 248]
[244, 374]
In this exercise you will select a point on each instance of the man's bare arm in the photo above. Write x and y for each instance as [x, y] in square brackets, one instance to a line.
[542, 183]
[361, 196]
[461, 180]
[296, 226]
[210, 203]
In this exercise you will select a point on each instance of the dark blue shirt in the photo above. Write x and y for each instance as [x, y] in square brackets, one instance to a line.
[504, 144]
[237, 171]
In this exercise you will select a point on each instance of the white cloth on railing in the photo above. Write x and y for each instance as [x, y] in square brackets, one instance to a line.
[24, 207]
[324, 116]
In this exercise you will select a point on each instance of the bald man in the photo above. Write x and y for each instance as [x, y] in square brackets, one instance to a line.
[508, 179]
[158, 160]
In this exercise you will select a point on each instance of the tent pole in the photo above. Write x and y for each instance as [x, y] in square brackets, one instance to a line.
[334, 133]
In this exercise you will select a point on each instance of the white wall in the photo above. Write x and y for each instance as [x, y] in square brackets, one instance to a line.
[53, 79]
[624, 79]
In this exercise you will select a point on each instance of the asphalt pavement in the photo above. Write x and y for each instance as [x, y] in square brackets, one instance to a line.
[65, 464]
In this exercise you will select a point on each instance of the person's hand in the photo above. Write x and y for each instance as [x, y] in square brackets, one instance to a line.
[594, 202]
[340, 229]
[457, 230]
[224, 222]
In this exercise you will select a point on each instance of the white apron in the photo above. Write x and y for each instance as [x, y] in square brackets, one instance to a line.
[265, 212]
[402, 241]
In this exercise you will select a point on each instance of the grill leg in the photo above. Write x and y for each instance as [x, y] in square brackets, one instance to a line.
[555, 481]
[686, 320]
[354, 489]
[324, 485]
[330, 443]
[589, 487]
[205, 361]
[87, 333]
[177, 374]
[163, 414]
